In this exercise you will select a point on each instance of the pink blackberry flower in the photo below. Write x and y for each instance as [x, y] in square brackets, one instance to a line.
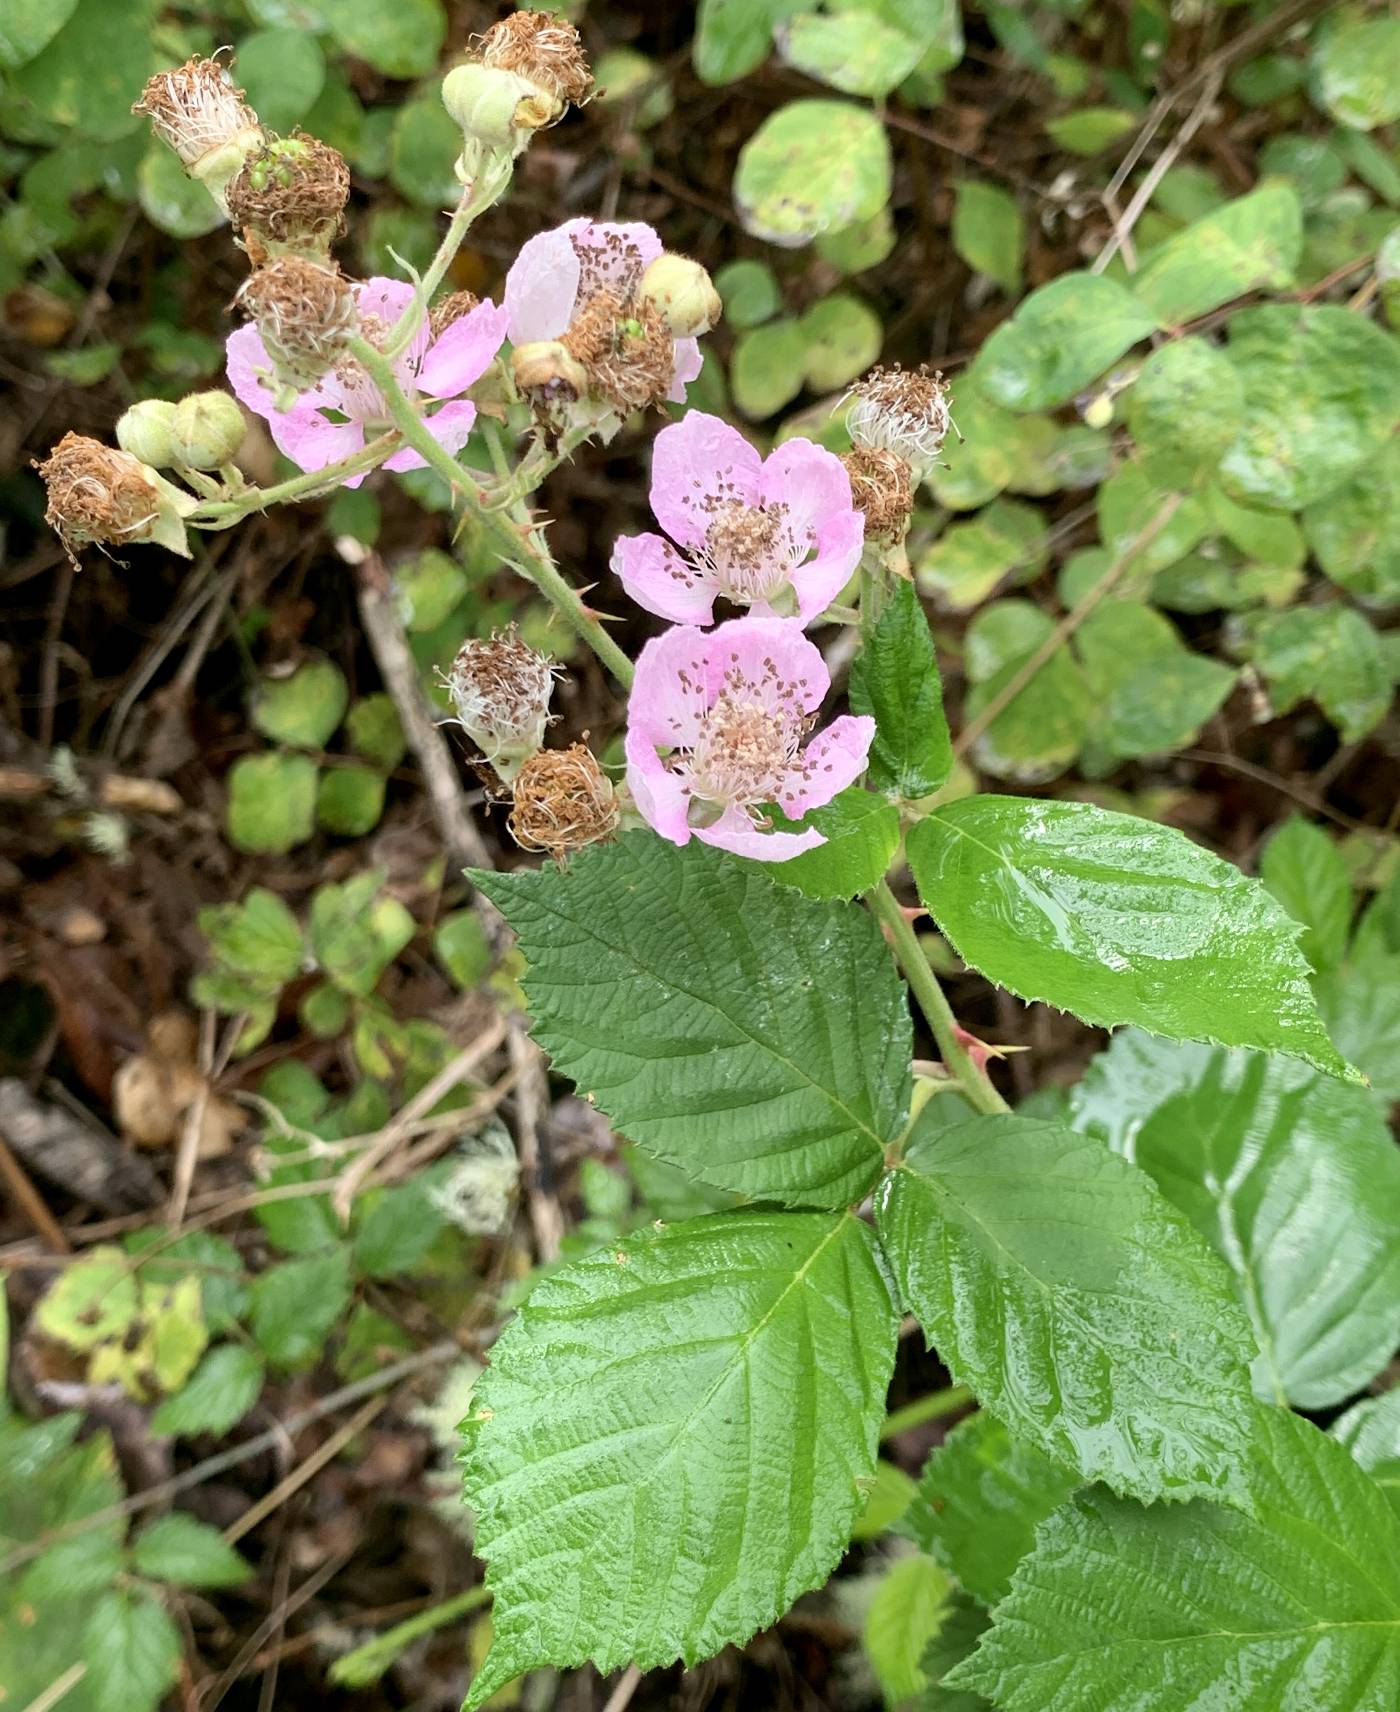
[558, 275]
[730, 707]
[343, 409]
[780, 534]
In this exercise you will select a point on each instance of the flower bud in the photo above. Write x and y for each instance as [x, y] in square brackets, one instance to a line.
[546, 374]
[144, 431]
[904, 411]
[202, 113]
[543, 49]
[99, 495]
[684, 293]
[289, 195]
[563, 802]
[306, 315]
[207, 430]
[497, 108]
[501, 692]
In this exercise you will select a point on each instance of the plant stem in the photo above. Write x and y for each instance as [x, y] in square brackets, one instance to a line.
[516, 537]
[366, 1664]
[475, 199]
[976, 1085]
[931, 1408]
[226, 512]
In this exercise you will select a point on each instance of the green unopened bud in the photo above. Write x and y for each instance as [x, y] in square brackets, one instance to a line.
[497, 108]
[144, 431]
[207, 430]
[684, 293]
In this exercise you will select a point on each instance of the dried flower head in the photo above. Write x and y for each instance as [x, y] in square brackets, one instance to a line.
[544, 50]
[563, 802]
[204, 116]
[98, 494]
[289, 194]
[305, 314]
[625, 348]
[449, 309]
[501, 692]
[882, 489]
[903, 411]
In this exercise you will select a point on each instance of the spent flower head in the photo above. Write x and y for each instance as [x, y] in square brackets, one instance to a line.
[778, 534]
[203, 115]
[97, 494]
[563, 801]
[501, 690]
[328, 419]
[289, 194]
[715, 732]
[882, 490]
[904, 411]
[304, 314]
[545, 50]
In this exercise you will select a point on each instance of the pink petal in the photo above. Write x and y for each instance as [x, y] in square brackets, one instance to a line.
[688, 363]
[734, 831]
[244, 354]
[621, 251]
[810, 481]
[696, 464]
[818, 582]
[658, 578]
[464, 352]
[833, 759]
[383, 297]
[450, 427]
[770, 661]
[542, 285]
[668, 702]
[310, 441]
[660, 796]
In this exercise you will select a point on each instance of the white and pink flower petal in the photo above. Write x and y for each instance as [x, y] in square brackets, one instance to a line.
[819, 581]
[736, 832]
[688, 363]
[463, 352]
[658, 578]
[542, 285]
[697, 465]
[660, 795]
[670, 696]
[833, 759]
[450, 426]
[769, 661]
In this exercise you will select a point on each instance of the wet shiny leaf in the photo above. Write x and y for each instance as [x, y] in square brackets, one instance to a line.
[895, 679]
[1062, 337]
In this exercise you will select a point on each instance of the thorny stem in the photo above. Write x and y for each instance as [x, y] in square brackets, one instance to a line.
[517, 539]
[475, 199]
[974, 1082]
[224, 513]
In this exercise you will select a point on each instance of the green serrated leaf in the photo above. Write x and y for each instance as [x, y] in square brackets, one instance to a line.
[303, 709]
[904, 1616]
[750, 292]
[132, 1651]
[460, 944]
[349, 799]
[28, 26]
[1320, 386]
[188, 1553]
[1357, 67]
[400, 1227]
[890, 1495]
[1044, 725]
[964, 1622]
[812, 167]
[1186, 410]
[89, 72]
[1355, 532]
[356, 933]
[1290, 1175]
[283, 71]
[1062, 337]
[1151, 693]
[425, 142]
[758, 1038]
[732, 37]
[1293, 1604]
[1360, 1003]
[1078, 1304]
[895, 679]
[1370, 1430]
[862, 835]
[1249, 244]
[271, 802]
[216, 1397]
[989, 232]
[981, 1497]
[766, 367]
[1118, 920]
[295, 1304]
[1304, 870]
[1328, 653]
[696, 1360]
[857, 52]
[842, 337]
[93, 1300]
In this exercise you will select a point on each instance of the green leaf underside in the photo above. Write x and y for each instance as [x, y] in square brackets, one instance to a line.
[895, 679]
[1118, 921]
[1078, 1304]
[756, 1038]
[1290, 1175]
[980, 1498]
[726, 1381]
[1294, 1607]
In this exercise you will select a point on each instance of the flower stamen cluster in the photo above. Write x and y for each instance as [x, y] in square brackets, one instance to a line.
[545, 50]
[563, 801]
[305, 316]
[904, 411]
[290, 194]
[501, 691]
[99, 495]
[204, 116]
